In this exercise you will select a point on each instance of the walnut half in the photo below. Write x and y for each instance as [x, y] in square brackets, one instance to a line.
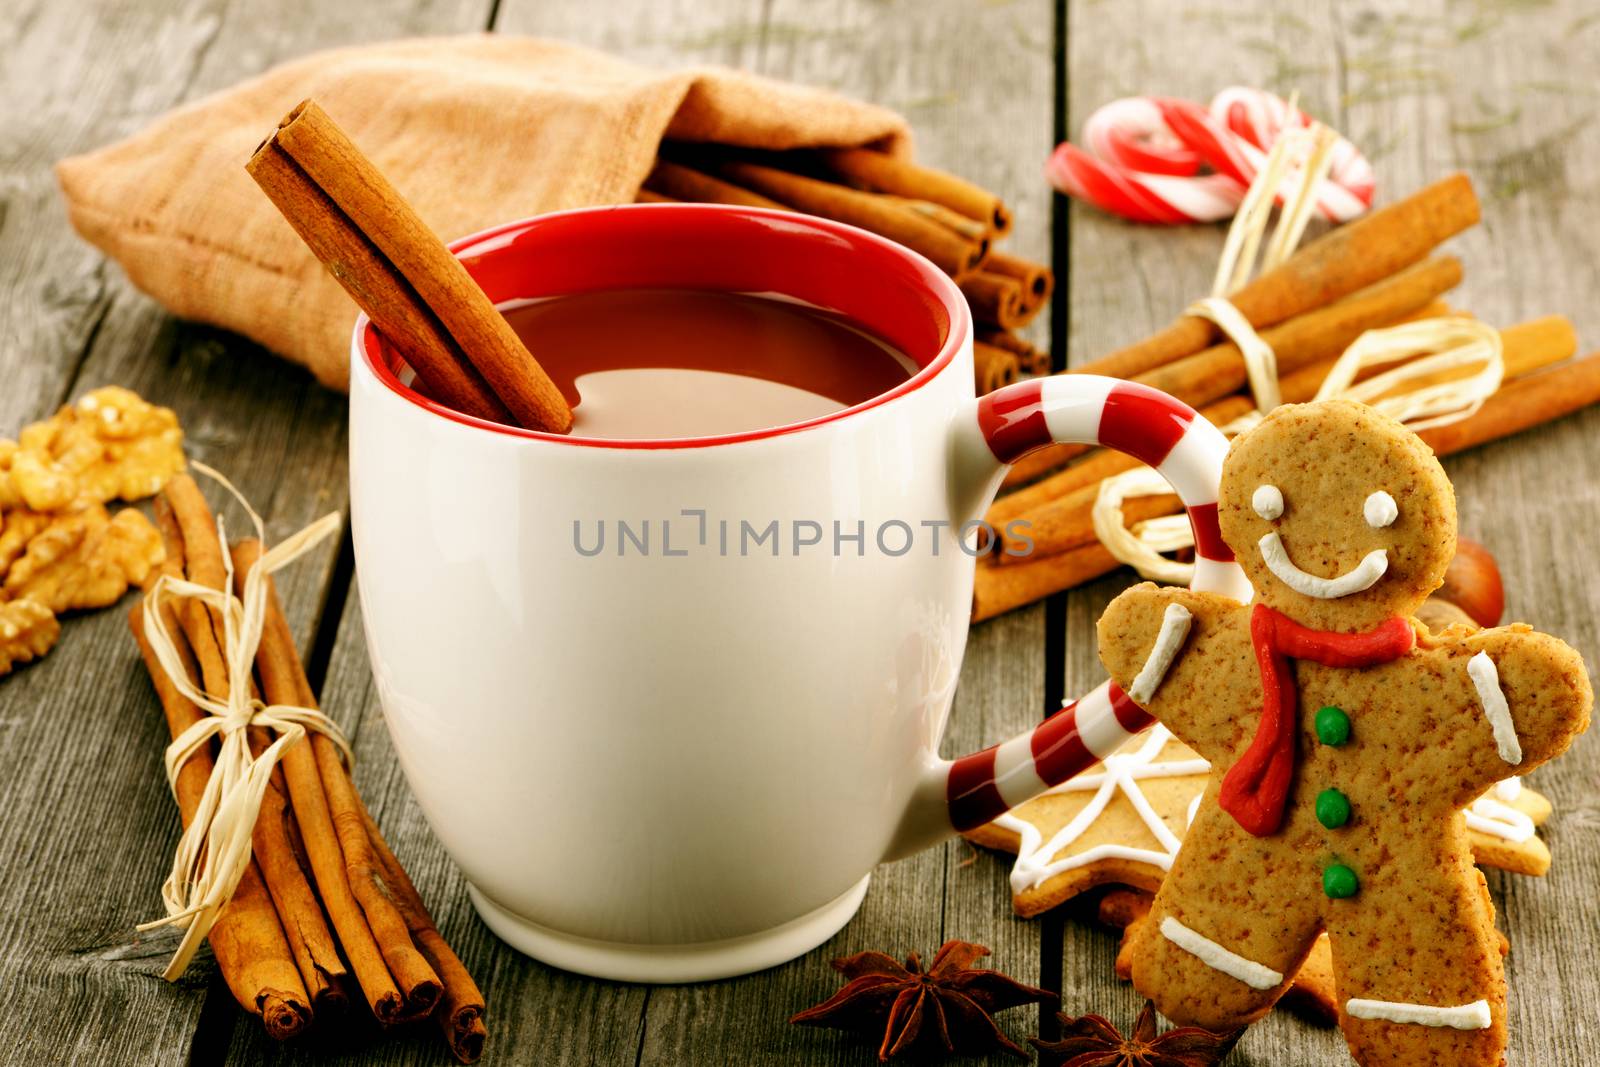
[85, 560]
[28, 630]
[110, 444]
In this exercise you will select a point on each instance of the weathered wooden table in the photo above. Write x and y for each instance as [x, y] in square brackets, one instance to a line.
[1504, 89]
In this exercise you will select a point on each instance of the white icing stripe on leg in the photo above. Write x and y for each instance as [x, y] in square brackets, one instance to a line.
[1486, 679]
[1474, 1016]
[1213, 955]
[1174, 631]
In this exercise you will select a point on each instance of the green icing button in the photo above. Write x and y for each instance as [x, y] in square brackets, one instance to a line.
[1333, 808]
[1339, 881]
[1333, 726]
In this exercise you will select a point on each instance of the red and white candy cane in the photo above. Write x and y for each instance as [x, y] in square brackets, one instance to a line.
[1145, 156]
[1155, 429]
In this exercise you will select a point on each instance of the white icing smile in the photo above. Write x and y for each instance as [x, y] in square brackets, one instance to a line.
[1362, 576]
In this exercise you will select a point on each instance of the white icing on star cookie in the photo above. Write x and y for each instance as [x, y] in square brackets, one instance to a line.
[1488, 816]
[1362, 576]
[1474, 1016]
[1253, 974]
[1174, 631]
[1122, 771]
[1486, 679]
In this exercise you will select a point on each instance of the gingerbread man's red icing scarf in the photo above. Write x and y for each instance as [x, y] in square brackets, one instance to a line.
[1256, 788]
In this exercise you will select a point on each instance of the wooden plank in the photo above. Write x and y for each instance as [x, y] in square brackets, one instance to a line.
[1425, 89]
[86, 821]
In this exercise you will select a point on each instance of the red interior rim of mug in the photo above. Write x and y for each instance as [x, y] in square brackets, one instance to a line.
[881, 286]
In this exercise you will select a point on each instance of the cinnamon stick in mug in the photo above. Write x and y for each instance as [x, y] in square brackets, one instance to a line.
[415, 291]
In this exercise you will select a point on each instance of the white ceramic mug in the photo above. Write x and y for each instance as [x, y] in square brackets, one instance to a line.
[682, 762]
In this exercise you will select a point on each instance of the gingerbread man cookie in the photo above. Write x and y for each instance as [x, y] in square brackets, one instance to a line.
[1344, 740]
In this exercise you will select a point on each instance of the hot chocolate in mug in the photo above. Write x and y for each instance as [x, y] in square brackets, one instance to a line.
[679, 757]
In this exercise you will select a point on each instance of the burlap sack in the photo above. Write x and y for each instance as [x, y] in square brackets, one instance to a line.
[472, 130]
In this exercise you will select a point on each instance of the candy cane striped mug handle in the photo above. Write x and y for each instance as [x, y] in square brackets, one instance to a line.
[990, 434]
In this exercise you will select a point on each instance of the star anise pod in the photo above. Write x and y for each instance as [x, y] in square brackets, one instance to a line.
[948, 1006]
[1091, 1041]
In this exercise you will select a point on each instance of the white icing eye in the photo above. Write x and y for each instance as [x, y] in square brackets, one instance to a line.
[1268, 501]
[1380, 510]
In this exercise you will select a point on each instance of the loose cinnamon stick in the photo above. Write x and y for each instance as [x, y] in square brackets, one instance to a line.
[1209, 375]
[647, 196]
[971, 229]
[950, 252]
[1519, 405]
[993, 367]
[462, 1010]
[996, 299]
[1036, 279]
[396, 978]
[193, 551]
[1031, 360]
[697, 187]
[1522, 405]
[997, 590]
[360, 226]
[1339, 262]
[884, 173]
[247, 938]
[1064, 520]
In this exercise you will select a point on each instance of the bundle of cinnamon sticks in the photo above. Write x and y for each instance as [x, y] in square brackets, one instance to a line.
[947, 219]
[1378, 271]
[325, 910]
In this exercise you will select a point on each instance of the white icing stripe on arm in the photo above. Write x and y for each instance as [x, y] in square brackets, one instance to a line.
[1213, 955]
[1474, 1016]
[1486, 679]
[1174, 631]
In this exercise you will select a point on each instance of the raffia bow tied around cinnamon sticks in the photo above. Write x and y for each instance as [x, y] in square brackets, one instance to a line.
[215, 849]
